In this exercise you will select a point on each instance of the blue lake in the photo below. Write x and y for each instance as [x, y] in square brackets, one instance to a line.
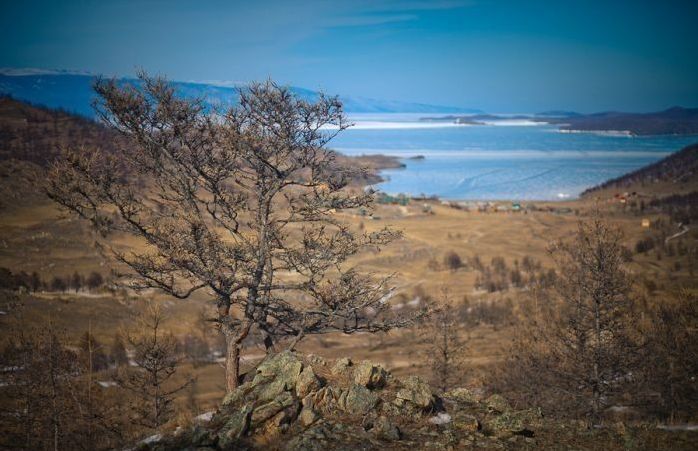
[511, 160]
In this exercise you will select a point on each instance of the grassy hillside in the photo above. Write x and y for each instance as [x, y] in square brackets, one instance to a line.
[677, 173]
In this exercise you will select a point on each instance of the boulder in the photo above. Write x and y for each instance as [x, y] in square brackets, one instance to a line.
[236, 426]
[341, 366]
[326, 398]
[266, 411]
[416, 392]
[465, 422]
[358, 400]
[520, 422]
[307, 382]
[270, 391]
[385, 429]
[497, 403]
[314, 359]
[370, 375]
[283, 367]
[201, 437]
[238, 395]
[308, 416]
[462, 395]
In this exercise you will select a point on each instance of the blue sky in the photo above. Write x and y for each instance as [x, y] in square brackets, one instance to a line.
[500, 56]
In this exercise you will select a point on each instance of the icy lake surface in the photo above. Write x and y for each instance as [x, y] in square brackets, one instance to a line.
[510, 159]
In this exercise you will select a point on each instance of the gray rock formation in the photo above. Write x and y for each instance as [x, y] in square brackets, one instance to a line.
[304, 403]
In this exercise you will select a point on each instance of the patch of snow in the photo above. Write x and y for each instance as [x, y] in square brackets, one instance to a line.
[678, 427]
[440, 418]
[513, 123]
[387, 296]
[414, 302]
[204, 417]
[392, 125]
[106, 384]
[152, 439]
[619, 409]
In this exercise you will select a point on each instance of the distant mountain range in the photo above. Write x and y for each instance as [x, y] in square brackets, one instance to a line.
[673, 121]
[73, 92]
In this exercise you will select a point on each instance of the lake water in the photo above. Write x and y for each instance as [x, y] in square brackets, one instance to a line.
[505, 160]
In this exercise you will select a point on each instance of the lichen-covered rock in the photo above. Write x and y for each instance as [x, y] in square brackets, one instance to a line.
[267, 410]
[520, 422]
[465, 422]
[359, 400]
[360, 408]
[283, 367]
[327, 398]
[416, 392]
[385, 429]
[370, 375]
[462, 395]
[236, 426]
[308, 416]
[238, 395]
[307, 382]
[314, 359]
[270, 391]
[341, 366]
[200, 437]
[497, 403]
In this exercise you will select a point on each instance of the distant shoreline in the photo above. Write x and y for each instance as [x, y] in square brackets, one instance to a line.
[675, 121]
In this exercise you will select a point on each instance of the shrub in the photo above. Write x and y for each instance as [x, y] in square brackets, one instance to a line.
[452, 261]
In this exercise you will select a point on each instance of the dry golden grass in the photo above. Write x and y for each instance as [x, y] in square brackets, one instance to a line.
[39, 238]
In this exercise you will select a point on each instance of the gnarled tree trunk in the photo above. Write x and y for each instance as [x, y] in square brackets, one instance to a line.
[233, 340]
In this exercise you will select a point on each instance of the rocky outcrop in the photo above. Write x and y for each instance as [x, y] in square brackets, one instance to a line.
[296, 402]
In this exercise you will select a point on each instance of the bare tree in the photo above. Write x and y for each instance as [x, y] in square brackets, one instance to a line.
[40, 389]
[117, 354]
[91, 358]
[152, 381]
[94, 280]
[671, 361]
[49, 400]
[446, 345]
[242, 204]
[577, 351]
[76, 281]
